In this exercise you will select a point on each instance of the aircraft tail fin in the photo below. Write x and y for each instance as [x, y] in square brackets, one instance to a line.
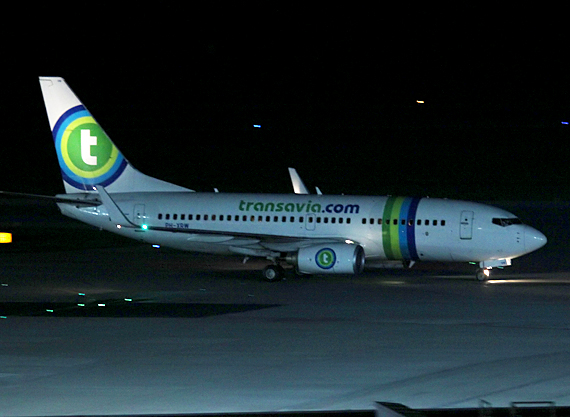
[86, 155]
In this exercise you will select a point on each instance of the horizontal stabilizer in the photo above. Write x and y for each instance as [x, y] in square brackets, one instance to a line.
[85, 199]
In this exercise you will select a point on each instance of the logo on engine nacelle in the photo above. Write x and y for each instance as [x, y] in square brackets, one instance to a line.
[325, 258]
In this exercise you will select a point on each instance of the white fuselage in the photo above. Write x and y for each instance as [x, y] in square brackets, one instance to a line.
[388, 228]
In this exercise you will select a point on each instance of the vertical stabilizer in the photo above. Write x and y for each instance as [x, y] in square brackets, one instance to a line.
[86, 155]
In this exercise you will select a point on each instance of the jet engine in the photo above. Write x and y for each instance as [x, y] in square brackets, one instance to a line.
[336, 258]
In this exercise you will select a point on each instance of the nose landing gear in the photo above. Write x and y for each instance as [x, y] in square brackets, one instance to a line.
[482, 274]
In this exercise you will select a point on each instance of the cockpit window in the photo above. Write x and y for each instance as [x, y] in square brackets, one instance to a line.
[504, 222]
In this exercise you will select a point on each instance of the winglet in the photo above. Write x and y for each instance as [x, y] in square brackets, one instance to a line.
[298, 185]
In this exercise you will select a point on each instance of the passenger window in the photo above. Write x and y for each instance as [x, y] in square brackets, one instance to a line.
[348, 220]
[174, 216]
[435, 222]
[159, 216]
[379, 221]
[363, 221]
[167, 216]
[419, 222]
[213, 217]
[198, 217]
[333, 220]
[426, 222]
[443, 222]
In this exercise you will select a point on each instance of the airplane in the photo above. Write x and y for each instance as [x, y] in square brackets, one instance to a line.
[317, 234]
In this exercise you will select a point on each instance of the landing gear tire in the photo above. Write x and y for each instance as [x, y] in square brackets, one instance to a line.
[482, 275]
[273, 273]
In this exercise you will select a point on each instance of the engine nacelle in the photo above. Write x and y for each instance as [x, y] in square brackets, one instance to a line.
[336, 258]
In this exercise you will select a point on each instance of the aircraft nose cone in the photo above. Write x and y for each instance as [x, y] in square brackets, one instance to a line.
[534, 239]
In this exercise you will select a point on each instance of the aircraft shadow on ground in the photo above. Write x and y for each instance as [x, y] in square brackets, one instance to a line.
[124, 309]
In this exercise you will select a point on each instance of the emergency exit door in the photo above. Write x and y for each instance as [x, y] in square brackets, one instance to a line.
[466, 225]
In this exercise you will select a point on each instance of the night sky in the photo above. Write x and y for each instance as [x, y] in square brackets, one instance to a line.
[179, 89]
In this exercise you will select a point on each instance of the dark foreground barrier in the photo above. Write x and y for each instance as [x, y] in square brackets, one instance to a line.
[384, 409]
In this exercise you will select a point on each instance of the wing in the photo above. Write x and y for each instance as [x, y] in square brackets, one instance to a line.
[252, 244]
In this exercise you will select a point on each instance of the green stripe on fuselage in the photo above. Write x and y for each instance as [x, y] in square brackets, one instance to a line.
[386, 228]
[395, 228]
[390, 231]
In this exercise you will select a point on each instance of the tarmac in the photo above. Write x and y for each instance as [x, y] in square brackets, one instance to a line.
[94, 324]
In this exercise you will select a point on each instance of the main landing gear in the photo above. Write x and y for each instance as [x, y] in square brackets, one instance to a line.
[273, 273]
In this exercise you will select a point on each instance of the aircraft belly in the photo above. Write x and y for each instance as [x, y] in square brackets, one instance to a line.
[435, 253]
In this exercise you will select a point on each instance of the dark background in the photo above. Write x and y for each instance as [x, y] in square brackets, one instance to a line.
[334, 88]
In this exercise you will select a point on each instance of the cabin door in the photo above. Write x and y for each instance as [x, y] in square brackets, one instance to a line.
[310, 221]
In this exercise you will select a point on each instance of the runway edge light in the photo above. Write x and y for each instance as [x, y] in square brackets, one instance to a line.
[5, 237]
